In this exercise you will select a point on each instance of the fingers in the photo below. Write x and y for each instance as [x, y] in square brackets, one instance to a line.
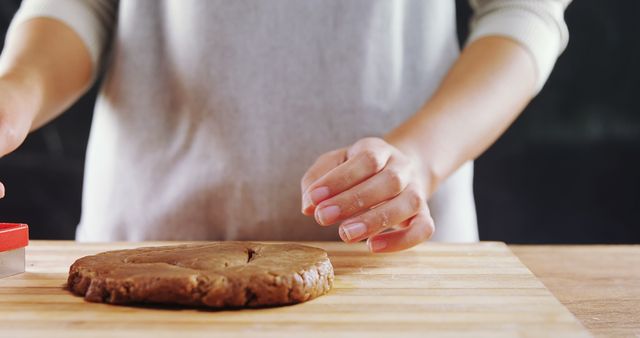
[375, 190]
[390, 213]
[365, 159]
[420, 229]
[388, 183]
[323, 165]
[1, 190]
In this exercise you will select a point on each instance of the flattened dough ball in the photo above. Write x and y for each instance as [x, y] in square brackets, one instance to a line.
[215, 275]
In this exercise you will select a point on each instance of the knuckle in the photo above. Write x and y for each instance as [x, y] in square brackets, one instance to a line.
[357, 202]
[372, 160]
[336, 153]
[431, 223]
[395, 180]
[324, 157]
[369, 141]
[383, 219]
[347, 179]
[430, 227]
[330, 156]
[414, 199]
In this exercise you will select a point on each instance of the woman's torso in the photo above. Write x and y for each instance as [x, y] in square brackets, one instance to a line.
[211, 111]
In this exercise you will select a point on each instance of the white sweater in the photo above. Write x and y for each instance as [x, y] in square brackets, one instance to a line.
[211, 111]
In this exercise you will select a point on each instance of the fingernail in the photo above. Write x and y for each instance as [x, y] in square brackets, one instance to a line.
[318, 195]
[377, 245]
[327, 215]
[354, 230]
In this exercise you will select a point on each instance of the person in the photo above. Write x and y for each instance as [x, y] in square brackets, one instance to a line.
[210, 112]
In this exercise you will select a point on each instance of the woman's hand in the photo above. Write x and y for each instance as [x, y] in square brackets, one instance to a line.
[44, 67]
[16, 116]
[370, 187]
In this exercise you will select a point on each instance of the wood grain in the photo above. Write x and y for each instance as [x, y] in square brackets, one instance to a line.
[450, 290]
[600, 284]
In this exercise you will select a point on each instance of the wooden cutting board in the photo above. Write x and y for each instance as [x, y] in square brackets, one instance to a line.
[453, 290]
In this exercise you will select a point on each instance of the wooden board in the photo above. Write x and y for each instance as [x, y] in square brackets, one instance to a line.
[599, 284]
[453, 290]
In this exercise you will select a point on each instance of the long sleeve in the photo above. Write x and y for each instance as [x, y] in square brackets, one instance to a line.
[92, 20]
[538, 25]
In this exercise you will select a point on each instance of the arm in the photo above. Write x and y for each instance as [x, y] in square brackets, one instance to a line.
[46, 67]
[482, 94]
[377, 185]
[49, 60]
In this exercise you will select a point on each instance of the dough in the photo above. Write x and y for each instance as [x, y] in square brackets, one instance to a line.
[216, 275]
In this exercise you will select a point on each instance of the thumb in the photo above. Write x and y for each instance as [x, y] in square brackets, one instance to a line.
[12, 133]
[11, 136]
[17, 113]
[5, 146]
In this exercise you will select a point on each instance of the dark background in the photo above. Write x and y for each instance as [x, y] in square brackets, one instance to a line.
[566, 172]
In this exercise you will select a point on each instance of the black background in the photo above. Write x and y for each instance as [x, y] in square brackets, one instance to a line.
[568, 170]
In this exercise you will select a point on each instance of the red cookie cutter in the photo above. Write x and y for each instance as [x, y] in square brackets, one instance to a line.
[13, 239]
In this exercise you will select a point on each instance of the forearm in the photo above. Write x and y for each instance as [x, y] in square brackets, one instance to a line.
[482, 94]
[46, 65]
